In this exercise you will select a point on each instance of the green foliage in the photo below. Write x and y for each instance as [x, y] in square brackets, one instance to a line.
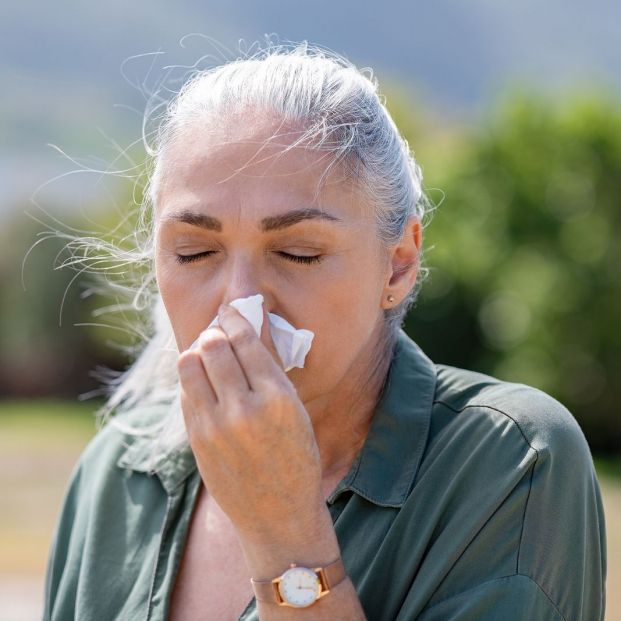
[525, 280]
[49, 344]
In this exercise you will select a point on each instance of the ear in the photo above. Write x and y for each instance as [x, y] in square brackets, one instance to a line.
[404, 263]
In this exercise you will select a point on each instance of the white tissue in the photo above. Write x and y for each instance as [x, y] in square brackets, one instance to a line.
[291, 344]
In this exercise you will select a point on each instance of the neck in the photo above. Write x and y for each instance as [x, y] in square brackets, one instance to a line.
[342, 418]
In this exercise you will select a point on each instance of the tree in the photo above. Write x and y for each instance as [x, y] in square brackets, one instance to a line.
[525, 257]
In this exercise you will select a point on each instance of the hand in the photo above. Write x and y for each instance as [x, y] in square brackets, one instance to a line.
[250, 433]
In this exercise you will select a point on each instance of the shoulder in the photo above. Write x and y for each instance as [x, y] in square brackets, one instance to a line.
[97, 482]
[524, 450]
[119, 433]
[544, 424]
[98, 470]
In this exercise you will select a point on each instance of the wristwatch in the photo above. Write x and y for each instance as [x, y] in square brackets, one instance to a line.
[300, 587]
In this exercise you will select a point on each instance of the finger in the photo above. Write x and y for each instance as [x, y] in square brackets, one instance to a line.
[221, 364]
[196, 390]
[268, 341]
[255, 357]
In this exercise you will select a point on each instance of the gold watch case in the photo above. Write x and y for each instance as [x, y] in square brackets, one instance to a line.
[299, 586]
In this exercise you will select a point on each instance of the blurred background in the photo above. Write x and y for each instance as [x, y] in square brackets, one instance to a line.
[512, 109]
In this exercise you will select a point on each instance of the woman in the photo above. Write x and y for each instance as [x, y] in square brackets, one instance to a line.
[397, 488]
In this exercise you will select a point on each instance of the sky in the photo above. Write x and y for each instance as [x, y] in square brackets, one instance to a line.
[76, 72]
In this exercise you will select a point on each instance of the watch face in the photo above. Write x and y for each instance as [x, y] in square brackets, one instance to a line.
[299, 586]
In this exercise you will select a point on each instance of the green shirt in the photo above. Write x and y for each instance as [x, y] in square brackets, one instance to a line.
[471, 499]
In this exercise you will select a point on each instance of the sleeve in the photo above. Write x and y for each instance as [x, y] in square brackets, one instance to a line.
[68, 543]
[509, 598]
[96, 487]
[563, 541]
[559, 571]
[58, 565]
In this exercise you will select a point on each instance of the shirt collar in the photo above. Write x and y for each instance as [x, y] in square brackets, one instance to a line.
[171, 469]
[385, 468]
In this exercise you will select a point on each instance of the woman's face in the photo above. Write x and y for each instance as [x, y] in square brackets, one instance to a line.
[236, 217]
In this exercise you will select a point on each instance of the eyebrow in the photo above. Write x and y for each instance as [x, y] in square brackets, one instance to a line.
[271, 223]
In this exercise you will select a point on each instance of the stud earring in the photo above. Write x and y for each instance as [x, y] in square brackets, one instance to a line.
[391, 298]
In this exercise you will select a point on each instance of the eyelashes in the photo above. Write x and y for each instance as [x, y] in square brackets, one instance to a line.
[191, 258]
[307, 260]
[301, 259]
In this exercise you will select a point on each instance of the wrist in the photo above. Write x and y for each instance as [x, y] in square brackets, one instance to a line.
[309, 542]
[300, 586]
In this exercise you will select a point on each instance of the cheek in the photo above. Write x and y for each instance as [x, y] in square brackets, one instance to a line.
[171, 288]
[190, 308]
[343, 312]
[348, 299]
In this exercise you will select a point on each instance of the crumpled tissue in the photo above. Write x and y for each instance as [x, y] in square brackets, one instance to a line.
[291, 344]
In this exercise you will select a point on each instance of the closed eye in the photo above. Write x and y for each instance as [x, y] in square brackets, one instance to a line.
[301, 258]
[190, 258]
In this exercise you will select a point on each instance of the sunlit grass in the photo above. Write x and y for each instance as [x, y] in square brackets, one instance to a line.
[50, 415]
[40, 441]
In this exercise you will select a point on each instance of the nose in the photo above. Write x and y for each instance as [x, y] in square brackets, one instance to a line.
[242, 281]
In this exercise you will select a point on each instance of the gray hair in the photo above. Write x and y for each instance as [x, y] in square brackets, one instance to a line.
[342, 113]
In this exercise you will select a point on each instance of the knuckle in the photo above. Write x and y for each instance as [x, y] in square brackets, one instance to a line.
[214, 343]
[186, 363]
[243, 337]
[275, 391]
[271, 398]
[279, 401]
[244, 403]
[241, 424]
[212, 434]
[256, 402]
[243, 410]
[202, 430]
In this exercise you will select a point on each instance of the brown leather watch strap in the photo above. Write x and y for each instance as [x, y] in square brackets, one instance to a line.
[329, 576]
[332, 574]
[266, 591]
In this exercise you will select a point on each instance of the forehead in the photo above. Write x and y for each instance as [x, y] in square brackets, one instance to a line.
[251, 161]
